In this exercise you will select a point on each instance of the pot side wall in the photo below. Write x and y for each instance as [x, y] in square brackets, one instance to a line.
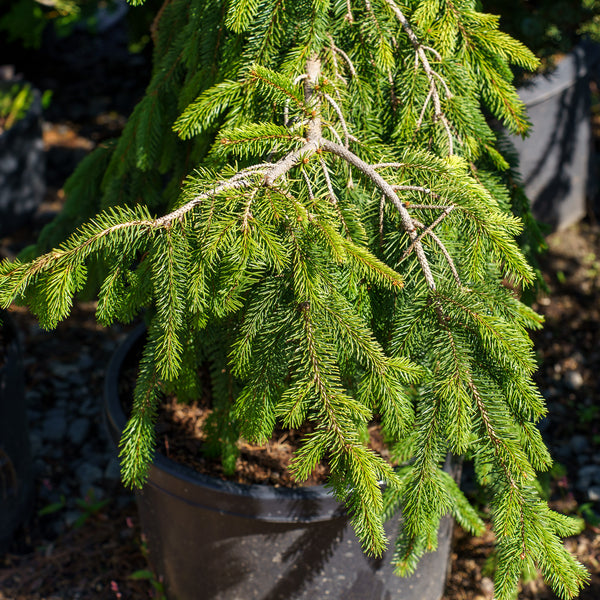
[555, 160]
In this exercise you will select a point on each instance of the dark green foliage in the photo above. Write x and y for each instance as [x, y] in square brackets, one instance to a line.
[548, 27]
[25, 20]
[333, 242]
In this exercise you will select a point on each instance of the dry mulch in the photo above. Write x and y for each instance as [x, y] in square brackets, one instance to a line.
[99, 560]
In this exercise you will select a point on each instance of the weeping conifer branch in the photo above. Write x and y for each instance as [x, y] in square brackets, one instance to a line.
[328, 280]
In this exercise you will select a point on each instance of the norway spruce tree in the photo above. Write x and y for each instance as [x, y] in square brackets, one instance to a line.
[310, 198]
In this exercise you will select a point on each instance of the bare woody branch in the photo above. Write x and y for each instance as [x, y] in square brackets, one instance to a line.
[390, 194]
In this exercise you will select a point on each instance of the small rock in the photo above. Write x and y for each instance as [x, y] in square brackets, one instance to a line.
[78, 431]
[36, 443]
[90, 407]
[40, 467]
[54, 451]
[64, 371]
[87, 474]
[58, 527]
[594, 493]
[71, 516]
[588, 476]
[88, 452]
[32, 397]
[78, 379]
[561, 453]
[63, 400]
[55, 427]
[61, 386]
[113, 469]
[34, 415]
[573, 380]
[487, 587]
[92, 493]
[579, 444]
[85, 362]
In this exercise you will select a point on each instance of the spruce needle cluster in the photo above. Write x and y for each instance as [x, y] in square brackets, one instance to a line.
[310, 199]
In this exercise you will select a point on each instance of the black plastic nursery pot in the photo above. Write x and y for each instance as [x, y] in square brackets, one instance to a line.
[211, 539]
[16, 474]
[556, 158]
[22, 168]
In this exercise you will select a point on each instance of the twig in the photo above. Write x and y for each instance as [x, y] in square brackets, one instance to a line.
[238, 183]
[247, 213]
[336, 135]
[347, 59]
[426, 231]
[389, 165]
[422, 113]
[427, 206]
[417, 188]
[437, 55]
[381, 215]
[340, 115]
[429, 231]
[328, 181]
[447, 256]
[308, 184]
[332, 195]
[287, 162]
[333, 56]
[443, 82]
[390, 194]
[349, 16]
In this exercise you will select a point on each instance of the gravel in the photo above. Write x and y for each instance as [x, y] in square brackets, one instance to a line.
[65, 416]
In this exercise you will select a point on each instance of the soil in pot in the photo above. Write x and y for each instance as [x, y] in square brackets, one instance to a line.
[181, 437]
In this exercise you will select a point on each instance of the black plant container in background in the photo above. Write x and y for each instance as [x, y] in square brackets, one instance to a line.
[211, 539]
[16, 474]
[556, 160]
[22, 162]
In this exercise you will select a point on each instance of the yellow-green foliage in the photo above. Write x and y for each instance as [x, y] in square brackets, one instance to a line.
[309, 199]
